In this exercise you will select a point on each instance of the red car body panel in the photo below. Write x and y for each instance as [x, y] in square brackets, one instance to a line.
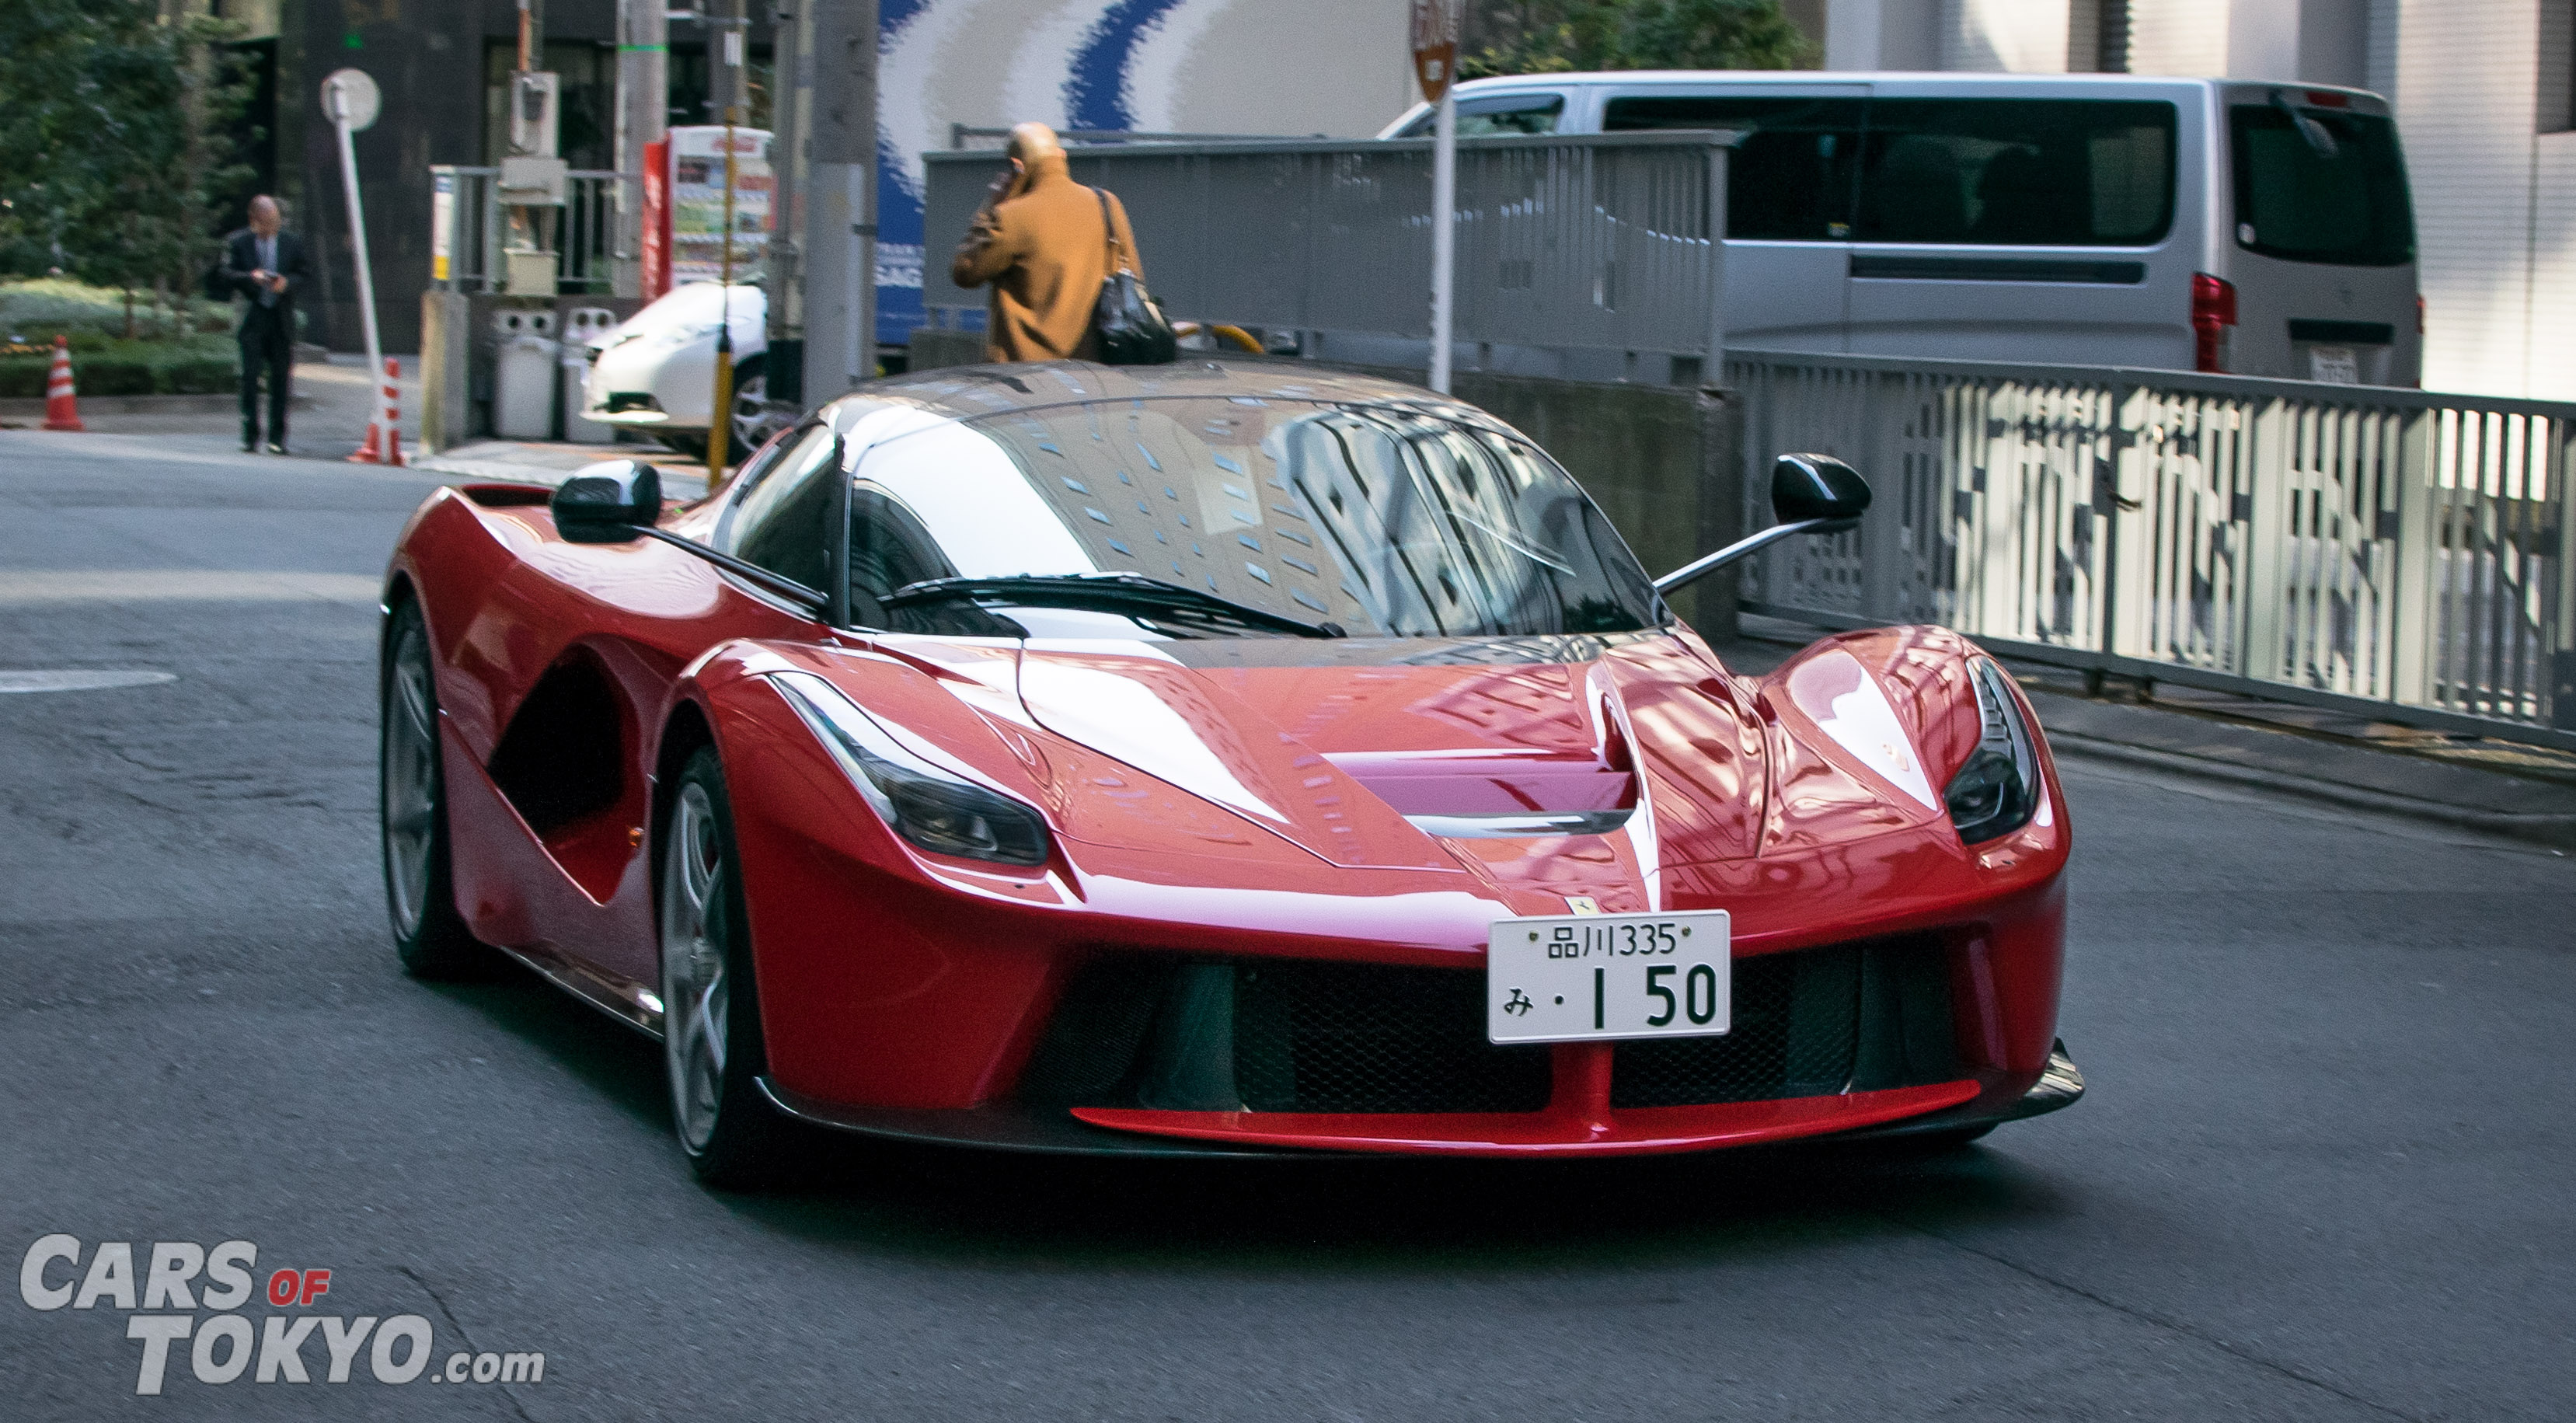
[1245, 807]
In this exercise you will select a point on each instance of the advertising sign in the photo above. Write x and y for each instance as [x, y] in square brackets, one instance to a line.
[656, 256]
[442, 225]
[697, 203]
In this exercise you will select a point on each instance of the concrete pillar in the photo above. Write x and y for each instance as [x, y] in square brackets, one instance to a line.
[1883, 34]
[446, 357]
[840, 201]
[2005, 36]
[643, 117]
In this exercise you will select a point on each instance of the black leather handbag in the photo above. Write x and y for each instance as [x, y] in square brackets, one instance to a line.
[1132, 329]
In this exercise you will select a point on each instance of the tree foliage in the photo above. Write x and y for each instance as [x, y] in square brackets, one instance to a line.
[1558, 36]
[110, 168]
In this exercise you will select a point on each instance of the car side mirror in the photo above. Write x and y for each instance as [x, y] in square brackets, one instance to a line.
[1818, 488]
[1810, 494]
[610, 502]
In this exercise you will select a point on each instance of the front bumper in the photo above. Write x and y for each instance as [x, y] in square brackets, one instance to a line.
[1163, 1056]
[1872, 1116]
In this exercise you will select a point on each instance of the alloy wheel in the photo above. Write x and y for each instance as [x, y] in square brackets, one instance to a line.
[410, 781]
[693, 967]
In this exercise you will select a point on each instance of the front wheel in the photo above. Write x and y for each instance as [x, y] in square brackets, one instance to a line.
[712, 1050]
[420, 895]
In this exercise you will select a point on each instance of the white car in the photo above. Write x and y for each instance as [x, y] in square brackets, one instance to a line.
[655, 372]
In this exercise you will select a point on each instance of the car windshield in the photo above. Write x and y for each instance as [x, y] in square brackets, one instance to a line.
[2327, 186]
[1379, 522]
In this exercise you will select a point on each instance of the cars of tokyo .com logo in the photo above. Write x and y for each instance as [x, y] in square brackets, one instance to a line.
[162, 1291]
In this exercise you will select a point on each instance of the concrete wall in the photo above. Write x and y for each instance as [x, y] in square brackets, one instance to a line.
[1665, 463]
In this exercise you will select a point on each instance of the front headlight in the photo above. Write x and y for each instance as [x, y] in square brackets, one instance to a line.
[929, 805]
[1997, 791]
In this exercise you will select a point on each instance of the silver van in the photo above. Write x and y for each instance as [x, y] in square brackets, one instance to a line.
[2186, 224]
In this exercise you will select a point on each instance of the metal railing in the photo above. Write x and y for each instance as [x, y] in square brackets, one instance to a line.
[964, 135]
[1577, 256]
[2405, 555]
[583, 232]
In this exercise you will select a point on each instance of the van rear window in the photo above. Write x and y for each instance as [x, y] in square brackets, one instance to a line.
[2017, 172]
[2332, 189]
[1790, 179]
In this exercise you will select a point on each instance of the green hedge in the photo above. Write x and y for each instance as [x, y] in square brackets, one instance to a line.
[129, 368]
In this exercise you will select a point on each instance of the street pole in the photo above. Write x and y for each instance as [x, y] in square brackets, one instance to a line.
[727, 63]
[791, 108]
[643, 118]
[1444, 239]
[346, 118]
[840, 243]
[1435, 66]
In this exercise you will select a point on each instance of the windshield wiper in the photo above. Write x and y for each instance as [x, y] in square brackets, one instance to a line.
[1110, 593]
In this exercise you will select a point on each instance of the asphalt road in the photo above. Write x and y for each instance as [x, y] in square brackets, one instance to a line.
[2324, 1172]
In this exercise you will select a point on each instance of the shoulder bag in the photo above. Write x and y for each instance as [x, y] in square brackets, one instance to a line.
[1132, 329]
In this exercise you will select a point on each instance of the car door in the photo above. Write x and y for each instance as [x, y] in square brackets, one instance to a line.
[1788, 199]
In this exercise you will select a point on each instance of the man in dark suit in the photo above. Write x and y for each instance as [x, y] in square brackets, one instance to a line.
[267, 267]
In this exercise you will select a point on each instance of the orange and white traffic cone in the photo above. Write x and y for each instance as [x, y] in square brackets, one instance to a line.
[62, 409]
[384, 432]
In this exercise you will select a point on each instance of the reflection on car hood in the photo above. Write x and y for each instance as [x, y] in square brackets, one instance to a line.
[1595, 761]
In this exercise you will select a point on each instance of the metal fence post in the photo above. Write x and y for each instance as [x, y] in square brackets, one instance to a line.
[2411, 637]
[2561, 710]
[2267, 537]
[1713, 365]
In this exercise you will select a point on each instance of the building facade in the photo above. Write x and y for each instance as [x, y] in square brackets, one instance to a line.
[2483, 94]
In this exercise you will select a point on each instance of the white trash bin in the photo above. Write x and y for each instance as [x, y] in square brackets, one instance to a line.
[582, 325]
[523, 383]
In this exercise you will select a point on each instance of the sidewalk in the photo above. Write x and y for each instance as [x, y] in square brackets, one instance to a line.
[2477, 783]
[550, 461]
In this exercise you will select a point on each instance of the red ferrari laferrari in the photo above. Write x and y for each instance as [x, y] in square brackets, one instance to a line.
[1208, 760]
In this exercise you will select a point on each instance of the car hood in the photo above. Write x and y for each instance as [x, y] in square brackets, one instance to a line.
[1440, 755]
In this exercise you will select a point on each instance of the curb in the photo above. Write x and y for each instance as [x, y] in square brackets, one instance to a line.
[218, 403]
[2555, 831]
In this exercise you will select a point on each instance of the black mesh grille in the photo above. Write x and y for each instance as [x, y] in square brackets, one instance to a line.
[1091, 1043]
[1364, 1038]
[1808, 1023]
[1773, 1049]
[1283, 1036]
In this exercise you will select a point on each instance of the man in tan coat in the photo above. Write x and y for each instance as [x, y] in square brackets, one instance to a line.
[1039, 240]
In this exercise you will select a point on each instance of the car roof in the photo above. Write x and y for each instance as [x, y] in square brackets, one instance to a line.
[1965, 79]
[977, 392]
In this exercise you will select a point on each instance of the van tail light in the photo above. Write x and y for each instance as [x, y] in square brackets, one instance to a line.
[2213, 313]
[2419, 315]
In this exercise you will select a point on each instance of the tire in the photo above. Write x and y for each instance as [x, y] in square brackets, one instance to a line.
[411, 811]
[712, 1050]
[753, 423]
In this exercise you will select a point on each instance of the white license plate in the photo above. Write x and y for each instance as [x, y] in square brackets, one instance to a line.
[1605, 976]
[2335, 365]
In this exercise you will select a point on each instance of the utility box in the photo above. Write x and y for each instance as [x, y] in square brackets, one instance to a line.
[523, 386]
[581, 325]
[531, 273]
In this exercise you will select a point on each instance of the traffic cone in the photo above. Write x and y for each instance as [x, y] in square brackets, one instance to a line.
[384, 432]
[62, 410]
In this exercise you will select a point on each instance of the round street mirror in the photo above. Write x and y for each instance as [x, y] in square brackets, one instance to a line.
[350, 96]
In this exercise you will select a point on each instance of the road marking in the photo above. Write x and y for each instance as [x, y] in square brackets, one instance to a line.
[78, 680]
[187, 585]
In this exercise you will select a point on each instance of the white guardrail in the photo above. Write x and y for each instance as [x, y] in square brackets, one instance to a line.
[2404, 555]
